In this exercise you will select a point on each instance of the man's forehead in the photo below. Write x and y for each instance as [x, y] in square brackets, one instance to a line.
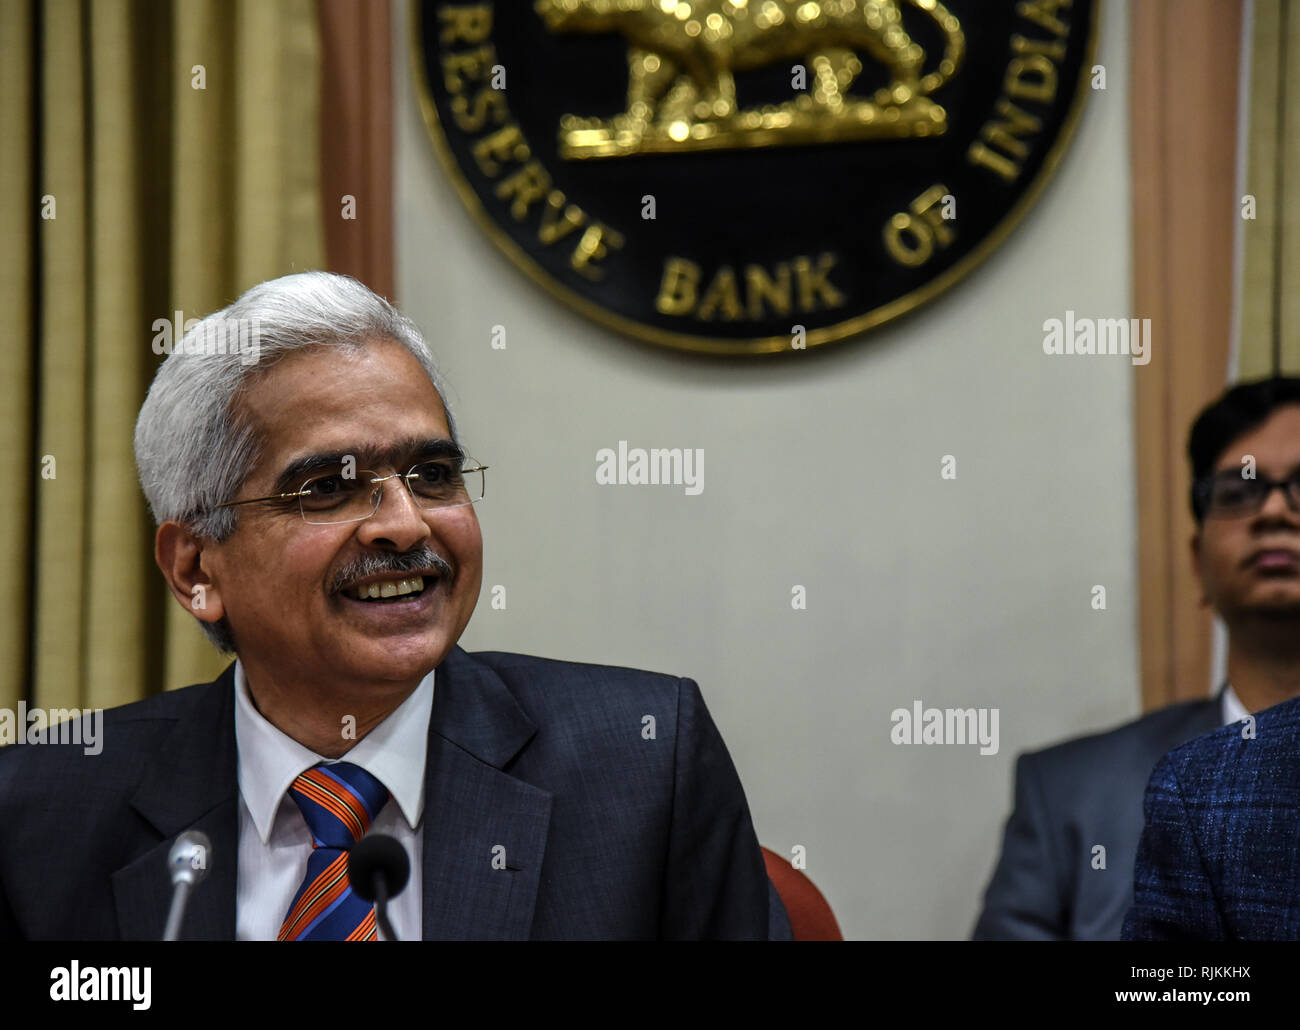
[375, 405]
[380, 382]
[371, 452]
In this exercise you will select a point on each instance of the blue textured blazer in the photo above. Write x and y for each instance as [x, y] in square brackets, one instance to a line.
[1220, 852]
[1069, 798]
[607, 835]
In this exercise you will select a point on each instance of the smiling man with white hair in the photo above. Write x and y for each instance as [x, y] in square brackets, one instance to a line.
[316, 514]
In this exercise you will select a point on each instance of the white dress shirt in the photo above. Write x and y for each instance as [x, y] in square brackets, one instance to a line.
[274, 841]
[1233, 709]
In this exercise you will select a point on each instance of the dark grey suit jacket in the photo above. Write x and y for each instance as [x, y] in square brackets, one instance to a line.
[606, 834]
[1068, 798]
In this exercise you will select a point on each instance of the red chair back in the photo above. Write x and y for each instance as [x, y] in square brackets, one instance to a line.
[811, 917]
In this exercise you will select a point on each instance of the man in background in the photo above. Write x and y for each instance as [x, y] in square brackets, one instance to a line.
[1088, 792]
[1217, 859]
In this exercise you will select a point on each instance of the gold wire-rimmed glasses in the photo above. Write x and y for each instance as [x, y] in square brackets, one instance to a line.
[332, 495]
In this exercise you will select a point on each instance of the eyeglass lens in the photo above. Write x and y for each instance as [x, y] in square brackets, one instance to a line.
[1231, 494]
[335, 496]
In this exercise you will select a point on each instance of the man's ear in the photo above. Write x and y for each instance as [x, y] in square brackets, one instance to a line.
[1195, 549]
[179, 553]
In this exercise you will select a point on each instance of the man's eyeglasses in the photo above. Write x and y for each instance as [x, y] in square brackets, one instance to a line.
[332, 495]
[1227, 495]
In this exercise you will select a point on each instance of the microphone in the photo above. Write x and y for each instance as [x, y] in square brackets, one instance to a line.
[188, 863]
[378, 870]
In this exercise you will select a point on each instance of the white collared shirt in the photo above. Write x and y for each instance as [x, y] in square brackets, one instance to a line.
[274, 841]
[1233, 709]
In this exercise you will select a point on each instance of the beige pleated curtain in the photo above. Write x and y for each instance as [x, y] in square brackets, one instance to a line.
[157, 157]
[1269, 316]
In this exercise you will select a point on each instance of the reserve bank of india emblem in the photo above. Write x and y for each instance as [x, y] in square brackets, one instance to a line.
[751, 176]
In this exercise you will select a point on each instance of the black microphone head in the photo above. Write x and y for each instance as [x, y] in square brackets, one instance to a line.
[374, 855]
[189, 857]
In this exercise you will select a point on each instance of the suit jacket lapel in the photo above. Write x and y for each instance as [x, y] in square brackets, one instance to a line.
[484, 830]
[190, 784]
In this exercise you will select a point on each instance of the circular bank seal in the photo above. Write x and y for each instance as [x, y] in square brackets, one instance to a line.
[751, 176]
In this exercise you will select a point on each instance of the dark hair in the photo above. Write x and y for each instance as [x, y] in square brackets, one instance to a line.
[1241, 409]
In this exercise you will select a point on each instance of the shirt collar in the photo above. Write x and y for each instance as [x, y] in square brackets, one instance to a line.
[1233, 709]
[393, 752]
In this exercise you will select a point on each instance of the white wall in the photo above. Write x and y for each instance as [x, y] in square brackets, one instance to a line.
[824, 472]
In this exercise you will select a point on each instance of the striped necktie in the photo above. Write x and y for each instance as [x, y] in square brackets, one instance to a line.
[339, 802]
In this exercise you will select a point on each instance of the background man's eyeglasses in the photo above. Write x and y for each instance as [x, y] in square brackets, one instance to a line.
[332, 496]
[1227, 495]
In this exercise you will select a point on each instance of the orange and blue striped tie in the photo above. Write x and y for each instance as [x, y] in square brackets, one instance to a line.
[339, 802]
